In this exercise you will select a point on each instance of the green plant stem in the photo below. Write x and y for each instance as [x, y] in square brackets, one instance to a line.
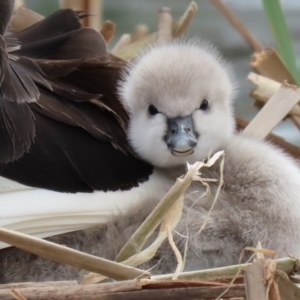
[282, 36]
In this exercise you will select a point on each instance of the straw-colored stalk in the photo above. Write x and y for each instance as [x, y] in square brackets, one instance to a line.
[164, 34]
[139, 238]
[179, 27]
[269, 64]
[168, 213]
[124, 41]
[23, 18]
[51, 292]
[274, 111]
[237, 24]
[93, 7]
[287, 265]
[266, 88]
[289, 148]
[140, 31]
[108, 30]
[69, 256]
[22, 285]
[162, 292]
[183, 23]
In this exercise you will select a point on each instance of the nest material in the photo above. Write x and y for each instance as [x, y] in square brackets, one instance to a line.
[261, 279]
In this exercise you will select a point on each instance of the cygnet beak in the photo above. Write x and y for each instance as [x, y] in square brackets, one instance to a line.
[181, 137]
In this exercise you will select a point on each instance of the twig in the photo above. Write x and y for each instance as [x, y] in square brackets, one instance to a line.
[290, 148]
[69, 256]
[95, 9]
[221, 182]
[274, 111]
[37, 284]
[17, 295]
[254, 274]
[287, 290]
[183, 23]
[266, 88]
[164, 34]
[237, 24]
[124, 40]
[269, 64]
[140, 31]
[177, 254]
[23, 18]
[296, 121]
[89, 292]
[138, 239]
[179, 27]
[108, 30]
[287, 265]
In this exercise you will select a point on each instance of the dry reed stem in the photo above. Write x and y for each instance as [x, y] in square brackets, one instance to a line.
[287, 265]
[265, 61]
[274, 111]
[178, 256]
[124, 41]
[138, 239]
[239, 271]
[37, 284]
[221, 182]
[78, 5]
[161, 292]
[179, 27]
[260, 252]
[286, 289]
[168, 212]
[296, 121]
[69, 256]
[17, 295]
[237, 24]
[266, 88]
[140, 31]
[164, 33]
[79, 292]
[108, 30]
[95, 9]
[183, 23]
[170, 220]
[253, 275]
[23, 18]
[289, 148]
[269, 64]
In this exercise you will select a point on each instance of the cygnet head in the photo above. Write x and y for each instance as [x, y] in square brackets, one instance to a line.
[179, 100]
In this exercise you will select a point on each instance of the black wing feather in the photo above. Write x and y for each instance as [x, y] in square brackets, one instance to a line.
[74, 117]
[66, 159]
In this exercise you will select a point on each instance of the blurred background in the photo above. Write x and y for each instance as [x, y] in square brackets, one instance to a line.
[209, 25]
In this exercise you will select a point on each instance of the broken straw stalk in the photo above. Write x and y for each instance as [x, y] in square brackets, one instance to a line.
[168, 212]
[266, 88]
[179, 27]
[191, 285]
[279, 104]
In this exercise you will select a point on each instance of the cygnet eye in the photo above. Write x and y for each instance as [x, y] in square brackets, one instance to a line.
[152, 110]
[204, 105]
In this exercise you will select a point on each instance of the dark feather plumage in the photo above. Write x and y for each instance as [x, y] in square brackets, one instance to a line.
[59, 106]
